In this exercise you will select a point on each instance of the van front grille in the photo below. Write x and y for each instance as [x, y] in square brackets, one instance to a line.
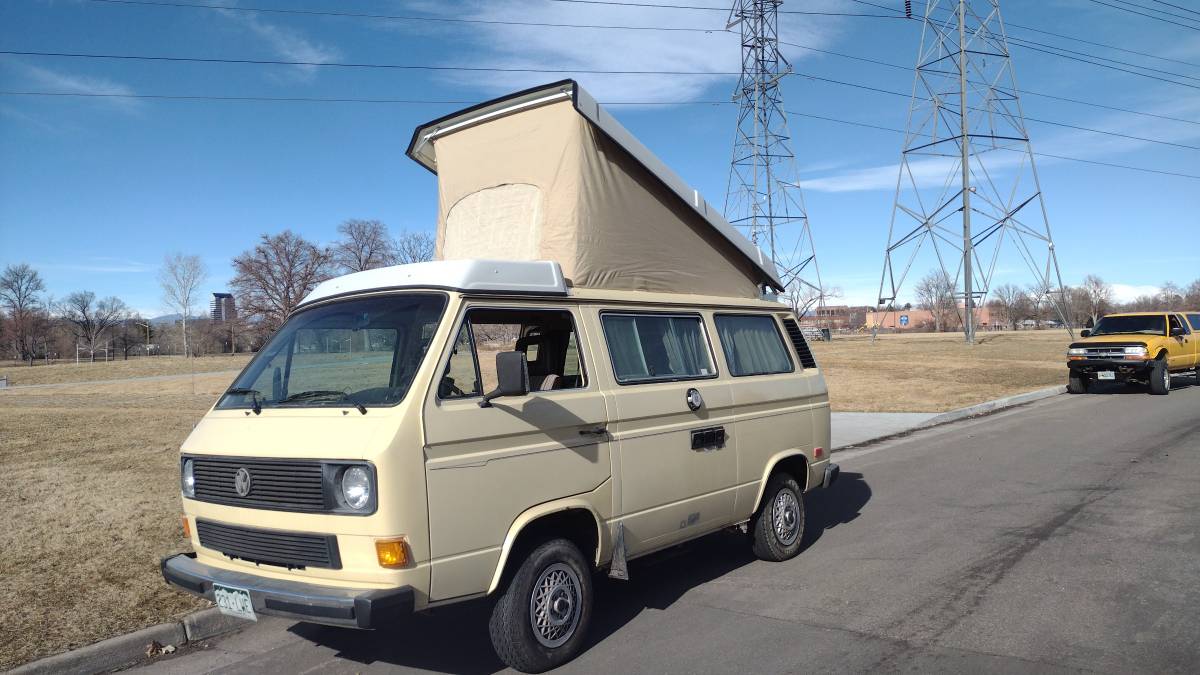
[278, 485]
[802, 350]
[270, 547]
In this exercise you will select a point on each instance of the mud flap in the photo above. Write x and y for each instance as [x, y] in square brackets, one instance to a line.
[618, 569]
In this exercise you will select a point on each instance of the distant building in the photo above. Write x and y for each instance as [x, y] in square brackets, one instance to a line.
[921, 320]
[223, 308]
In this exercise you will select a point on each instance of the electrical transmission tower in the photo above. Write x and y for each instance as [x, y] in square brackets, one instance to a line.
[968, 187]
[763, 195]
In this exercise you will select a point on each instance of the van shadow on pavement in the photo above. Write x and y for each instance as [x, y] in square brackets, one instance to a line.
[454, 639]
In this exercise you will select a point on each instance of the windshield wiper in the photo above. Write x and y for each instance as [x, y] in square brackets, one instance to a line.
[324, 393]
[254, 394]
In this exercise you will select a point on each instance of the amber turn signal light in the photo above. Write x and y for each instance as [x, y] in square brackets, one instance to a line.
[392, 553]
[187, 528]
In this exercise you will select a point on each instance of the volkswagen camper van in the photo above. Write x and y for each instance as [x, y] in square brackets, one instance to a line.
[608, 383]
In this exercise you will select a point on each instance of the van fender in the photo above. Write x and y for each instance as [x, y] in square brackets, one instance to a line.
[770, 468]
[532, 514]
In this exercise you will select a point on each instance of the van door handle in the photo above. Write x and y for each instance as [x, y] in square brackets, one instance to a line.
[598, 431]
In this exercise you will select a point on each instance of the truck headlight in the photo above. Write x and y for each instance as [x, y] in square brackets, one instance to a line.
[187, 479]
[1077, 351]
[1135, 351]
[356, 487]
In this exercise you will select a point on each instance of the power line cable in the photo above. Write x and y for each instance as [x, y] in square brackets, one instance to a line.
[724, 10]
[1024, 92]
[1110, 67]
[398, 17]
[303, 99]
[1160, 11]
[559, 71]
[1176, 6]
[1023, 42]
[1009, 24]
[1151, 16]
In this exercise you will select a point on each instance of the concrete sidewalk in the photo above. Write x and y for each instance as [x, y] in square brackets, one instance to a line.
[855, 428]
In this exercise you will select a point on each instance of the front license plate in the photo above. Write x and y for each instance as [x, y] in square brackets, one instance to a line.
[234, 602]
[1106, 375]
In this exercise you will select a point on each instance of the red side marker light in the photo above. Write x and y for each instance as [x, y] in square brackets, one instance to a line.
[818, 452]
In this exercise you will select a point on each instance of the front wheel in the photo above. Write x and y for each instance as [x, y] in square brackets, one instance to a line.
[541, 620]
[778, 526]
[1077, 384]
[1160, 379]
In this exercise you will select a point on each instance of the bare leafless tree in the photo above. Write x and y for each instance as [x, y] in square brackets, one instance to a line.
[1009, 299]
[414, 247]
[89, 318]
[935, 294]
[273, 277]
[181, 276]
[365, 245]
[20, 296]
[1098, 296]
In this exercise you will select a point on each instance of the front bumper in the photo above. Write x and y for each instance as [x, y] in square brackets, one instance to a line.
[1123, 369]
[350, 607]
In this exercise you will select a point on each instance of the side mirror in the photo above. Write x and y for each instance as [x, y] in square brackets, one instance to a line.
[1177, 331]
[1085, 333]
[512, 377]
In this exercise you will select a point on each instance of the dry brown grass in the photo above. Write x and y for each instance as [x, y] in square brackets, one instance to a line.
[91, 499]
[20, 374]
[929, 372]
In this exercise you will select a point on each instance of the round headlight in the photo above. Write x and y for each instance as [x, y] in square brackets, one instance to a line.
[356, 487]
[187, 480]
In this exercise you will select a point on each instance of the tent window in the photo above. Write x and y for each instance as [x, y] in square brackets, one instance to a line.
[655, 347]
[752, 345]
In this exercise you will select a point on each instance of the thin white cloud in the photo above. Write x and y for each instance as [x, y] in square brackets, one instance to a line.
[571, 49]
[100, 265]
[287, 43]
[99, 87]
[1128, 293]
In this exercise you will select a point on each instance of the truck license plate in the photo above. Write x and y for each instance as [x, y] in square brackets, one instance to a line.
[1106, 375]
[234, 602]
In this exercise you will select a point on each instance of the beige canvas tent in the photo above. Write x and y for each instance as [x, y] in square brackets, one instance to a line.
[547, 174]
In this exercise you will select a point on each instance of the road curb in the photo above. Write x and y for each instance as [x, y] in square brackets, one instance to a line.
[992, 406]
[131, 648]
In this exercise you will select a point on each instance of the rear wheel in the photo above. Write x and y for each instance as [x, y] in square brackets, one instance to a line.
[541, 620]
[778, 526]
[1077, 384]
[1160, 378]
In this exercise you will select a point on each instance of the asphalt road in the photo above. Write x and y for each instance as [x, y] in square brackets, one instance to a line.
[1061, 536]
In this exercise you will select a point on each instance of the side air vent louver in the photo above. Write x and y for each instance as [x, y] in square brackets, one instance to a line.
[806, 357]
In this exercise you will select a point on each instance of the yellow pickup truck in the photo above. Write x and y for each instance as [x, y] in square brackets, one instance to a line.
[1144, 347]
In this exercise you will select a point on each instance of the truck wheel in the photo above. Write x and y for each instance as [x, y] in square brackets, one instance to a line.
[1077, 384]
[1160, 379]
[541, 619]
[778, 525]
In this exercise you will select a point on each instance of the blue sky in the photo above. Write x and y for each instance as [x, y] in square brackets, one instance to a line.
[94, 191]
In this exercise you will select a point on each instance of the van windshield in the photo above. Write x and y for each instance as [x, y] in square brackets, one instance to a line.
[349, 353]
[1145, 324]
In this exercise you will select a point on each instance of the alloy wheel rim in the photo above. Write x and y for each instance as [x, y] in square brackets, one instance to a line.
[785, 517]
[555, 605]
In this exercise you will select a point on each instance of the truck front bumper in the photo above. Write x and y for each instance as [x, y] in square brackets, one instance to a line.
[1124, 369]
[349, 607]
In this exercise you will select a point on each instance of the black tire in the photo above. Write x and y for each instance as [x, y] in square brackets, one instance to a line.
[778, 526]
[1077, 384]
[1160, 378]
[563, 576]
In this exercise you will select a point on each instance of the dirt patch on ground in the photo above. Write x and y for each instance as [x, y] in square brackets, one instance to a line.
[939, 372]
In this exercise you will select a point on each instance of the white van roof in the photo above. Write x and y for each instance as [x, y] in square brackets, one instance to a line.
[524, 277]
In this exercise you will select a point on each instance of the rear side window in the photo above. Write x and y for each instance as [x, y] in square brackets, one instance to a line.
[1194, 319]
[656, 347]
[752, 345]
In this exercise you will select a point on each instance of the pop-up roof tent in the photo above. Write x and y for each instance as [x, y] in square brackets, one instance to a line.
[547, 174]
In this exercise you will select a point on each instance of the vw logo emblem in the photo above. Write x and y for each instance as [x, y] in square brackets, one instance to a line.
[241, 482]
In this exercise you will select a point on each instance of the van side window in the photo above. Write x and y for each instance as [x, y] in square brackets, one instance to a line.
[650, 347]
[547, 338]
[752, 345]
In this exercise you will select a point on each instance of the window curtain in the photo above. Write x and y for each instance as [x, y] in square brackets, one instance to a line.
[625, 345]
[752, 345]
